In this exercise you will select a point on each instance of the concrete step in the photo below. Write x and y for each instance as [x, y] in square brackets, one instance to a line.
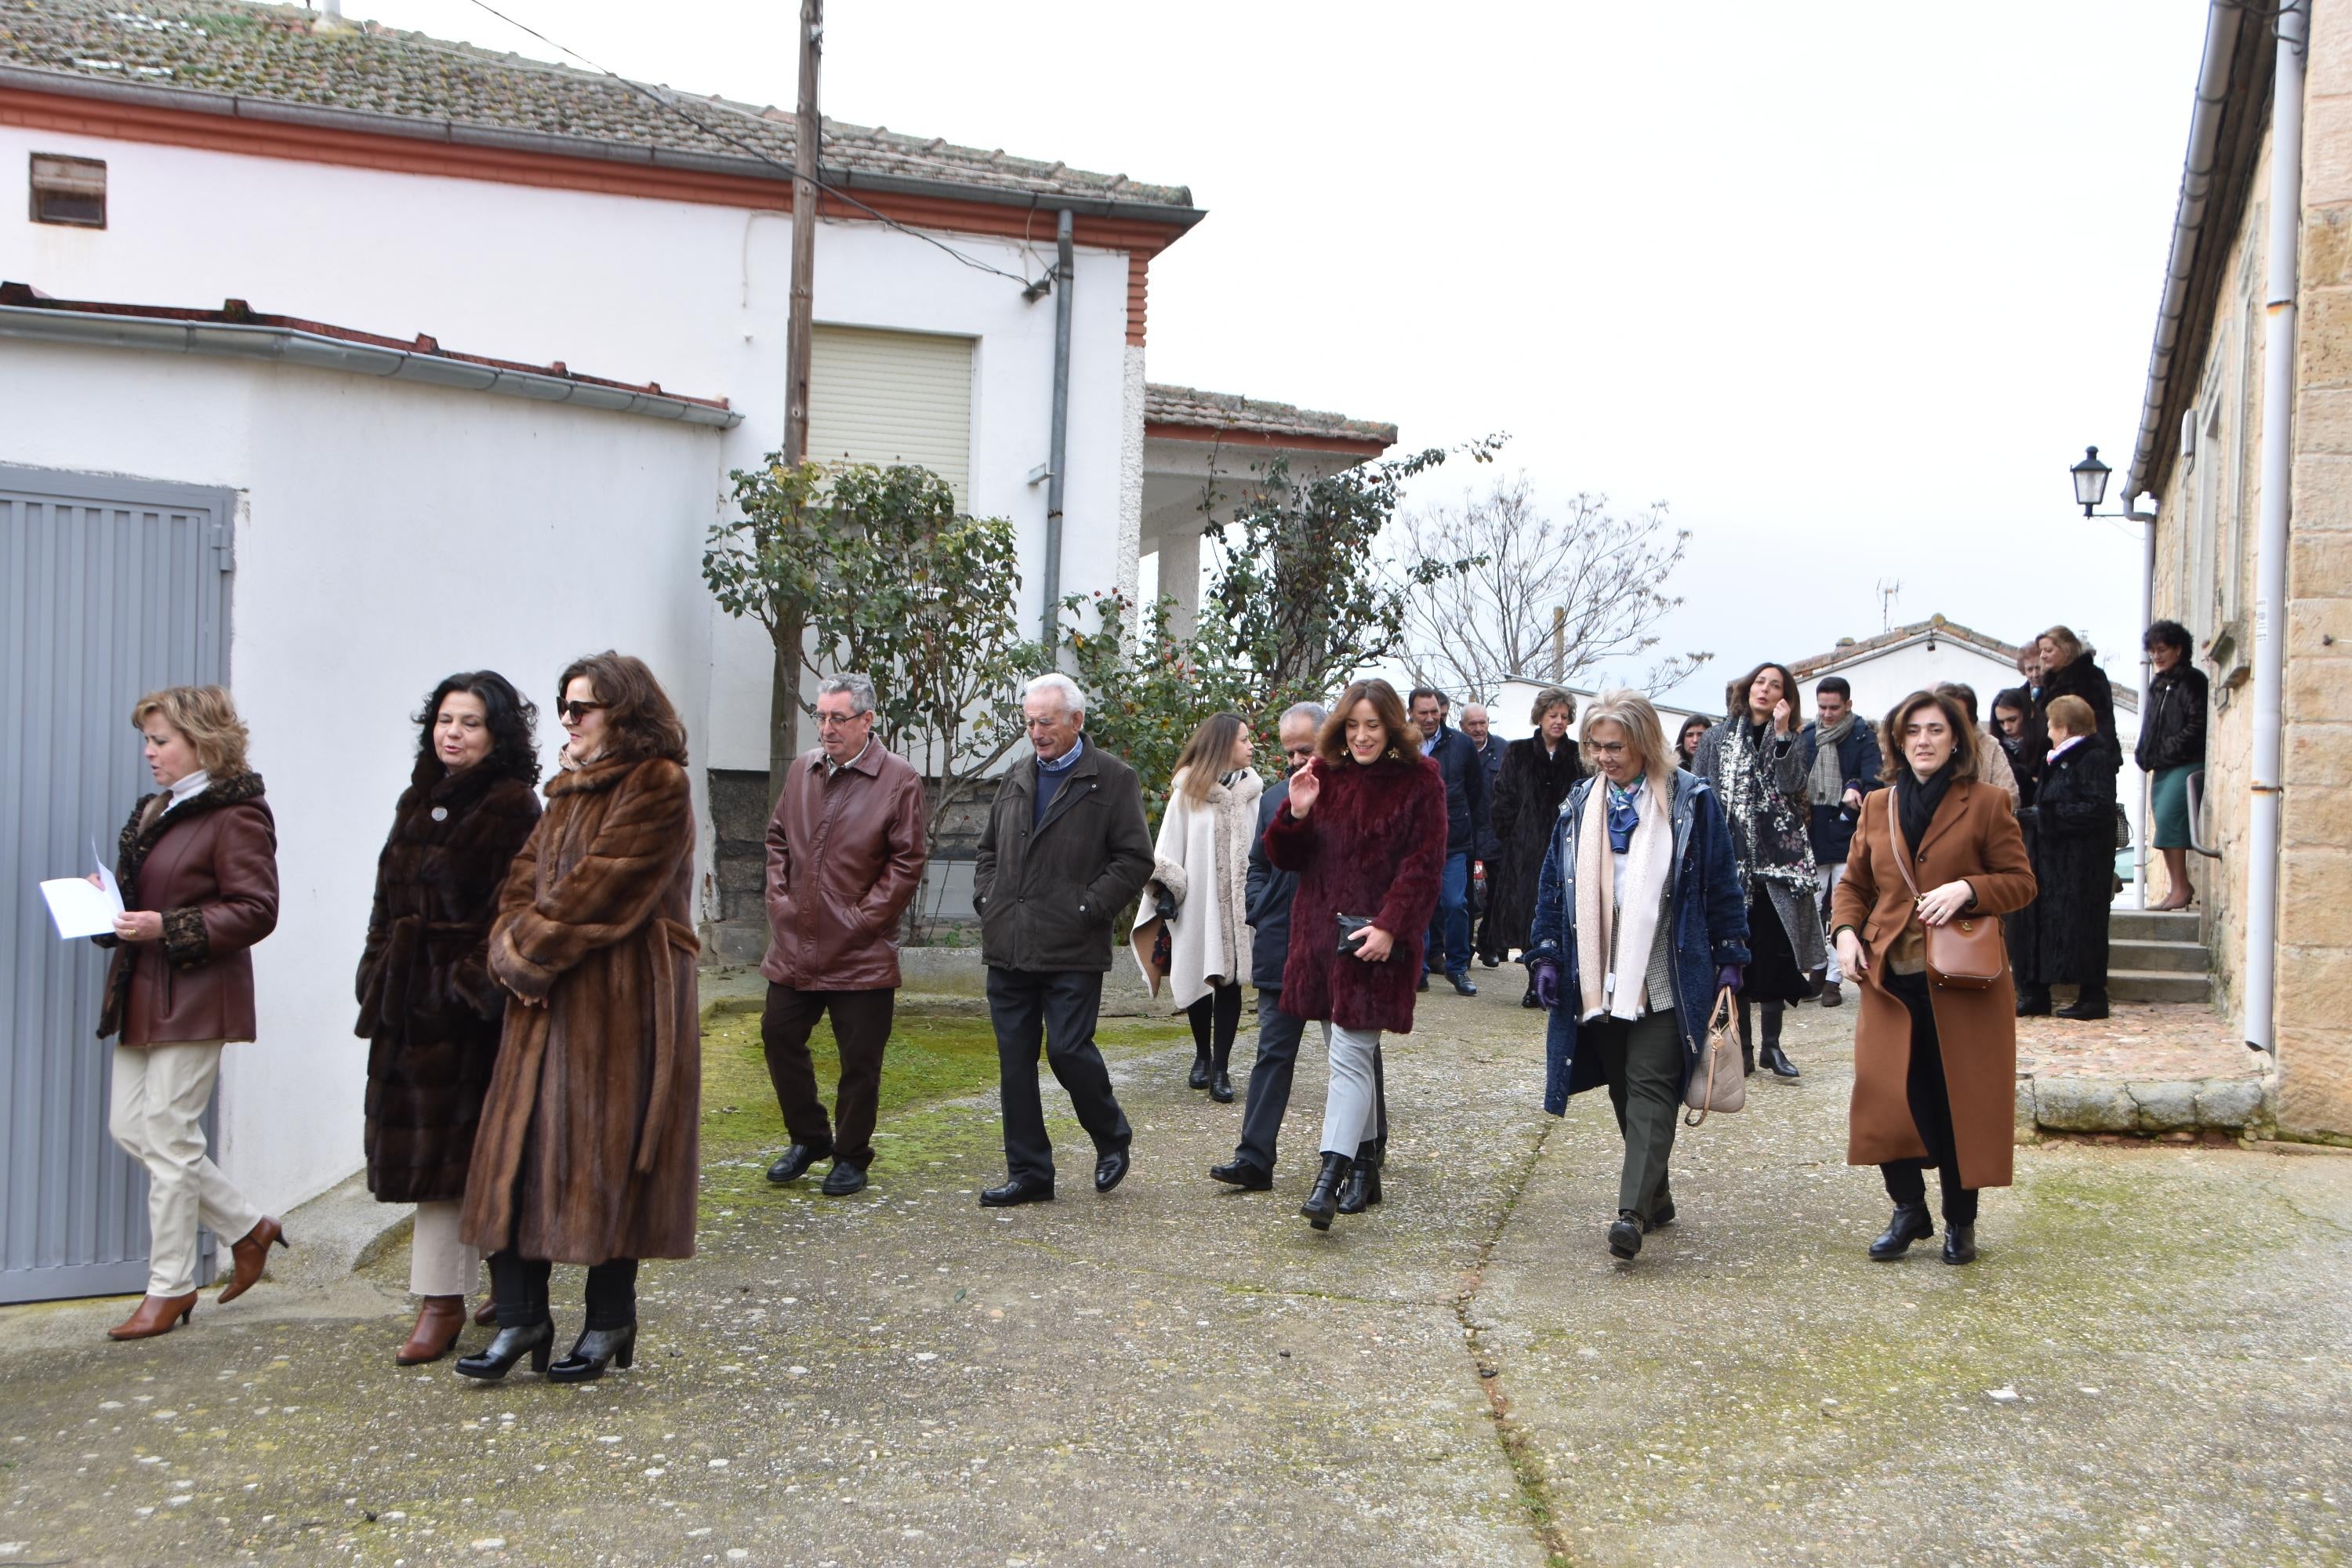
[2154, 925]
[2167, 957]
[2158, 985]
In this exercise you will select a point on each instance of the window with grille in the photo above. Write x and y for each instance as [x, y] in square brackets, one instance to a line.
[68, 190]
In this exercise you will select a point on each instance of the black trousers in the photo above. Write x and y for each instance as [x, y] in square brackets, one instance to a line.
[861, 1027]
[519, 1286]
[1215, 1019]
[1269, 1088]
[1057, 1007]
[1931, 1111]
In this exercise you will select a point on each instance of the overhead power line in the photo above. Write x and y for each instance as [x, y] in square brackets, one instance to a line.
[1033, 287]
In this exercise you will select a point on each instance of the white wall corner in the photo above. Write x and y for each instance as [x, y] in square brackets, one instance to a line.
[1130, 476]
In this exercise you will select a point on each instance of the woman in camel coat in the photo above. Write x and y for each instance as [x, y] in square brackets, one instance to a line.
[587, 1149]
[1935, 1066]
[1201, 863]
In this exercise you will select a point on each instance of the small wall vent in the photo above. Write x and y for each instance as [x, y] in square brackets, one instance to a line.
[70, 190]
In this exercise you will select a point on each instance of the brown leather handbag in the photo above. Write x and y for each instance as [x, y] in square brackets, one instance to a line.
[1968, 952]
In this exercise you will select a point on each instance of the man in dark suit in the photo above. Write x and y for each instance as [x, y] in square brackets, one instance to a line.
[1269, 895]
[1466, 808]
[1491, 951]
[1065, 846]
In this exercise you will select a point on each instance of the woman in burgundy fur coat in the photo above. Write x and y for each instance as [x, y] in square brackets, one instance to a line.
[1365, 830]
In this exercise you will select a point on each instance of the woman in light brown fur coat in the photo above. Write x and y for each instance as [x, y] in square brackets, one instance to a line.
[587, 1150]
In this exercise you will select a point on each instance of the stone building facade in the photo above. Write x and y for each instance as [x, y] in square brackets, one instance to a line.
[2199, 453]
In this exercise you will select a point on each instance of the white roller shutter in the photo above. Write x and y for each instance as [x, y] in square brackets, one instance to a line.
[892, 397]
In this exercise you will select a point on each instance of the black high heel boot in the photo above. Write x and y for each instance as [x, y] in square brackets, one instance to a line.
[1363, 1188]
[1323, 1201]
[1770, 1053]
[1910, 1224]
[1200, 1075]
[497, 1358]
[594, 1350]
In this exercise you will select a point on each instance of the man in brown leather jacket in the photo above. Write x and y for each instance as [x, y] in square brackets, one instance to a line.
[845, 852]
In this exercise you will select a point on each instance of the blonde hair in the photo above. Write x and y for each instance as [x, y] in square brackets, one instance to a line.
[206, 717]
[2072, 714]
[2070, 647]
[1631, 712]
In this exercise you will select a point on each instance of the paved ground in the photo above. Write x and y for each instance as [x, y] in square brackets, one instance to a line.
[2148, 1364]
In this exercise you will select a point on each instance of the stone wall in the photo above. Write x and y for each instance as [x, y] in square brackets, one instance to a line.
[2314, 974]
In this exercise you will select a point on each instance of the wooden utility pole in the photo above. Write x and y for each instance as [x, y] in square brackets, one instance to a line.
[808, 139]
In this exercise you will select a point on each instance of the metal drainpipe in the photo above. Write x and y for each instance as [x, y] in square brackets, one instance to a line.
[1056, 458]
[2271, 538]
[2147, 681]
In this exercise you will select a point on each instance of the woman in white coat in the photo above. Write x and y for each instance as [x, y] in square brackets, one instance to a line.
[1201, 865]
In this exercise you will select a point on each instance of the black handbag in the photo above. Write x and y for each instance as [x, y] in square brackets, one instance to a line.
[1352, 933]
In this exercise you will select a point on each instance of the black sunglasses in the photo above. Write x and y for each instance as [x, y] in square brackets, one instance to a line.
[575, 712]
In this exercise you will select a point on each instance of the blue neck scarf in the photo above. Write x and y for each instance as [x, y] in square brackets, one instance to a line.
[1625, 815]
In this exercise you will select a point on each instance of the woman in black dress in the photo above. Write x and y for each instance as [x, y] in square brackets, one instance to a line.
[1535, 776]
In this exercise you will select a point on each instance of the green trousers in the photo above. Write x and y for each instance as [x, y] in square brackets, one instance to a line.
[1642, 1062]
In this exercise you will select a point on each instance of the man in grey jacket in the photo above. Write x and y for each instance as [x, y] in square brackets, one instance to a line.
[1065, 849]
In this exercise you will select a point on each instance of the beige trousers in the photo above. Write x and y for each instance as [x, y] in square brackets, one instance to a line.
[439, 1263]
[157, 1098]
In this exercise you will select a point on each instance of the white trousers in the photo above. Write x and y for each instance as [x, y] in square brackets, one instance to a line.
[1351, 1110]
[1829, 875]
[157, 1098]
[439, 1263]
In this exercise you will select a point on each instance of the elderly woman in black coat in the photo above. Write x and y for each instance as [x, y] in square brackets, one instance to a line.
[428, 1006]
[1535, 776]
[2070, 668]
[2072, 819]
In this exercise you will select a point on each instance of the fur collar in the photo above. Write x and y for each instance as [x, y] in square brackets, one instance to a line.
[432, 781]
[136, 841]
[594, 778]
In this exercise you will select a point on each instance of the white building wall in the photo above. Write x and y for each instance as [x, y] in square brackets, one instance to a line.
[691, 295]
[388, 535]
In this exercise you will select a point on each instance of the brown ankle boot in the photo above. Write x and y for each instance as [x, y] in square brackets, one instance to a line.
[439, 1320]
[156, 1315]
[486, 1313]
[250, 1254]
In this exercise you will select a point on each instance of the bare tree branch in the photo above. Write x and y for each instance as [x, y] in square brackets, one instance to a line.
[1603, 576]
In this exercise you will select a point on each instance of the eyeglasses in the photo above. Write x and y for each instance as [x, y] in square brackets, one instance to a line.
[839, 721]
[575, 712]
[1605, 748]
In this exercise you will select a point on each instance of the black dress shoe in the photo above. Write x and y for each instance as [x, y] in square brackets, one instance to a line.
[1200, 1078]
[794, 1162]
[2089, 1004]
[497, 1358]
[1529, 1000]
[1243, 1174]
[593, 1352]
[1015, 1192]
[1661, 1215]
[1110, 1168]
[1363, 1188]
[1910, 1224]
[1323, 1202]
[1461, 982]
[2033, 1001]
[1773, 1057]
[843, 1180]
[1490, 962]
[1221, 1089]
[1424, 980]
[1625, 1235]
[1959, 1244]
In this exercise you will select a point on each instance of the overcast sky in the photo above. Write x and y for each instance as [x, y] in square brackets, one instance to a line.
[1848, 286]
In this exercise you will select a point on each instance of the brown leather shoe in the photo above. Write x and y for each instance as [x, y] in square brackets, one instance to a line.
[251, 1255]
[439, 1321]
[156, 1315]
[486, 1313]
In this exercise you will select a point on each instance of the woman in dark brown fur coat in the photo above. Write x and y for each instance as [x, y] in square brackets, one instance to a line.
[428, 1008]
[587, 1151]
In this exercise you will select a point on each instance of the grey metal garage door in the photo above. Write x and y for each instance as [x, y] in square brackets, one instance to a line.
[108, 588]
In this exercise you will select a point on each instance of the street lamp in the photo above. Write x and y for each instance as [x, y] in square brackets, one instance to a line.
[2090, 480]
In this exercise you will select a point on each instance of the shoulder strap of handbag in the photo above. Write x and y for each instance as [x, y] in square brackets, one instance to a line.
[1902, 849]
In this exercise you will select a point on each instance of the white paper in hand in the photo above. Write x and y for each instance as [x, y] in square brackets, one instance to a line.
[81, 908]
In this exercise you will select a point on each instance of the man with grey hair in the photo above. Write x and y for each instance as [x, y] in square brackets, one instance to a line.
[1479, 727]
[1065, 849]
[845, 853]
[1270, 892]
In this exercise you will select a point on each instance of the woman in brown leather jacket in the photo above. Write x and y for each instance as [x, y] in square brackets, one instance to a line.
[198, 871]
[587, 1149]
[429, 1009]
